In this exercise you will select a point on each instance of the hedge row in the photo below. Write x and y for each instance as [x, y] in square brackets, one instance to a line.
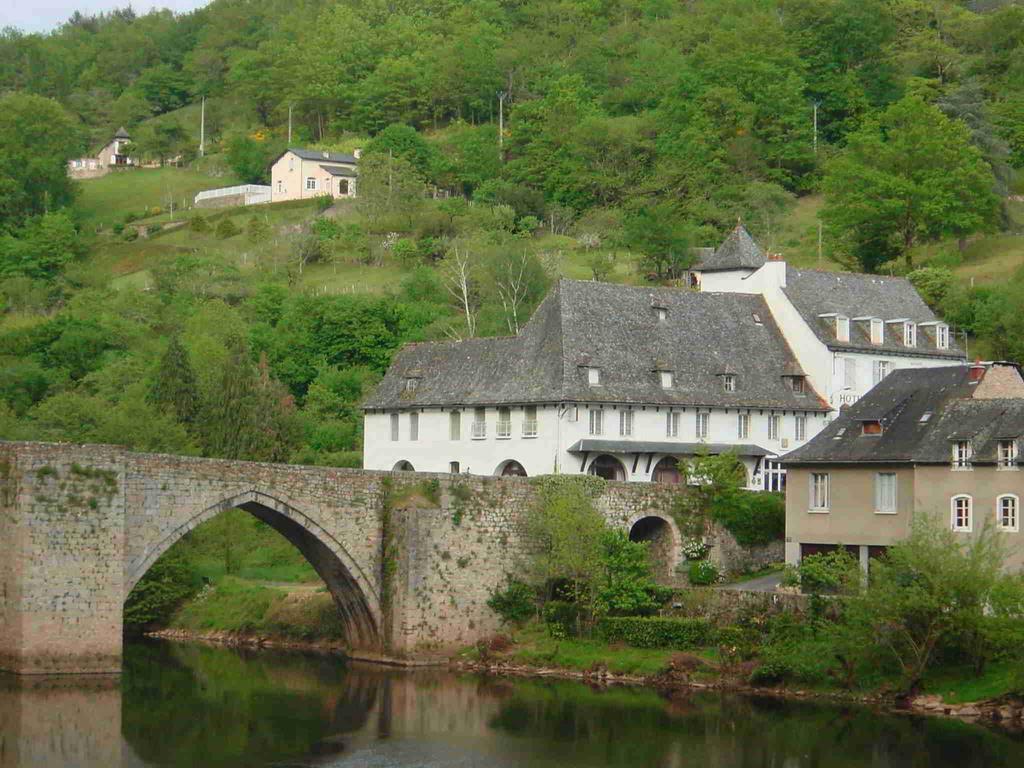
[656, 632]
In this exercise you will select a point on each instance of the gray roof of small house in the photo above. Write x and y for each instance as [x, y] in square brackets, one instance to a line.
[815, 292]
[122, 133]
[737, 251]
[321, 156]
[899, 402]
[614, 328]
[334, 170]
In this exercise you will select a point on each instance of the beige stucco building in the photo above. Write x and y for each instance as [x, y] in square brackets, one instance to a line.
[304, 173]
[941, 442]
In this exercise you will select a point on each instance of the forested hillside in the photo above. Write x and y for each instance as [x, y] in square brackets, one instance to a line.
[505, 144]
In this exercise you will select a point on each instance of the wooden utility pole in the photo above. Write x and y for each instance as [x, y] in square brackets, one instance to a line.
[501, 119]
[819, 242]
[816, 103]
[202, 129]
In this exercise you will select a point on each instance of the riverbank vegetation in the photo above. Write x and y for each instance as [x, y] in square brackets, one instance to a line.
[935, 613]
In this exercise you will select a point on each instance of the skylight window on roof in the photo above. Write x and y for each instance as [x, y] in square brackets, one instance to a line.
[925, 417]
[757, 318]
[839, 434]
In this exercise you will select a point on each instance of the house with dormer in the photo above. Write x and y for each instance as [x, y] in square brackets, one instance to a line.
[943, 442]
[847, 330]
[610, 380]
[115, 154]
[298, 174]
[623, 381]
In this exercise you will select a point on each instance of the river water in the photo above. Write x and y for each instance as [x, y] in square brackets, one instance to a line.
[193, 705]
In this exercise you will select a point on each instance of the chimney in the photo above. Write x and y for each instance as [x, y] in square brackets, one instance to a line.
[977, 372]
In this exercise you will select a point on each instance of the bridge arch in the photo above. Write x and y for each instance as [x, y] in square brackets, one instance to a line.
[351, 588]
[663, 539]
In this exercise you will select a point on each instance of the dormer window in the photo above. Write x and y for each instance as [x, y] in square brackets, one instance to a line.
[842, 328]
[660, 312]
[909, 334]
[1007, 454]
[877, 331]
[666, 379]
[962, 454]
[941, 336]
[729, 382]
[411, 384]
[872, 427]
[593, 376]
[797, 383]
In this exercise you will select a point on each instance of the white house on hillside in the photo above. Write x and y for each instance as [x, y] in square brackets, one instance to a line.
[303, 173]
[623, 381]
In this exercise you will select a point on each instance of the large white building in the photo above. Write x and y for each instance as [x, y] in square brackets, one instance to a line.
[623, 381]
[298, 174]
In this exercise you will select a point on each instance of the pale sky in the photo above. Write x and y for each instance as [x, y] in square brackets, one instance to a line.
[44, 15]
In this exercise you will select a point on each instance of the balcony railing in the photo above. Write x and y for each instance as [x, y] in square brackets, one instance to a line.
[530, 428]
[504, 430]
[479, 430]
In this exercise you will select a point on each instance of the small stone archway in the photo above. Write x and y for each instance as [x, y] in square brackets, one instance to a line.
[403, 466]
[664, 544]
[510, 468]
[353, 592]
[666, 471]
[608, 467]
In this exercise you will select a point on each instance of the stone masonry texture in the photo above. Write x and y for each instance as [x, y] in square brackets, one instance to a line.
[410, 559]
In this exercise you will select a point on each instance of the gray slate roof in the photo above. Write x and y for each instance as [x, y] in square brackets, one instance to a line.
[335, 170]
[614, 328]
[589, 445]
[814, 292]
[737, 251]
[899, 402]
[121, 133]
[324, 157]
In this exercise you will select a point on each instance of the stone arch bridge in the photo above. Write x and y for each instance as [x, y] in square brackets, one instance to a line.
[410, 559]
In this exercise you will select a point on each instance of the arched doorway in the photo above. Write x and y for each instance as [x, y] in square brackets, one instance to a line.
[403, 466]
[667, 471]
[510, 468]
[351, 589]
[607, 467]
[661, 545]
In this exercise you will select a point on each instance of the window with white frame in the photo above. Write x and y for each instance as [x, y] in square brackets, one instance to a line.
[593, 376]
[743, 426]
[1007, 454]
[702, 424]
[394, 427]
[961, 454]
[666, 379]
[596, 421]
[800, 427]
[842, 328]
[672, 423]
[310, 182]
[1007, 516]
[909, 334]
[961, 513]
[455, 425]
[504, 428]
[530, 421]
[411, 384]
[774, 426]
[819, 491]
[849, 373]
[626, 423]
[885, 493]
[479, 429]
[729, 382]
[942, 336]
[414, 426]
[880, 369]
[877, 330]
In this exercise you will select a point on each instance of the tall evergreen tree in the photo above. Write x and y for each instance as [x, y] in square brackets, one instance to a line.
[175, 388]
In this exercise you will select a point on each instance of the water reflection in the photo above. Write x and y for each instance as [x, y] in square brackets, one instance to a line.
[199, 706]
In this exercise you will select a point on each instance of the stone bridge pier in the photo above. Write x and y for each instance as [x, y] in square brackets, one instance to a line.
[410, 559]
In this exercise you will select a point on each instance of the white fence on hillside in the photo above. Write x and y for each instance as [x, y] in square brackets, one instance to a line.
[253, 194]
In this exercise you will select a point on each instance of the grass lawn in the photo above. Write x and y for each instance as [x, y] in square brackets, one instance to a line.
[958, 685]
[105, 201]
